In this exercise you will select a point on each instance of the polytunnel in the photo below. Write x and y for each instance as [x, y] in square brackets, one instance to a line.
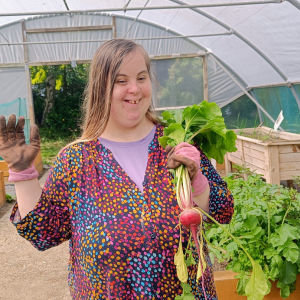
[243, 55]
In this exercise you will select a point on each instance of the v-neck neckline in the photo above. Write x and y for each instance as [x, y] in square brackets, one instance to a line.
[123, 172]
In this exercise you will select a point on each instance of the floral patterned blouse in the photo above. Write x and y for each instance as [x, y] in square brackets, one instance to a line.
[122, 241]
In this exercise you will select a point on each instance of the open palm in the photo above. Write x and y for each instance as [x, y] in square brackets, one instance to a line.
[13, 148]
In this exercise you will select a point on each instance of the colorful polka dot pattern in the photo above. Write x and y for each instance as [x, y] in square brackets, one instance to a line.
[122, 241]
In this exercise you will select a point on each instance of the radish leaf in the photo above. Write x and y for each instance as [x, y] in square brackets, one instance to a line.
[257, 286]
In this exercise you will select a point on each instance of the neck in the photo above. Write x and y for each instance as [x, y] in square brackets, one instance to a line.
[118, 133]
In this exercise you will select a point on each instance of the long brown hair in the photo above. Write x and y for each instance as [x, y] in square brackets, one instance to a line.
[97, 96]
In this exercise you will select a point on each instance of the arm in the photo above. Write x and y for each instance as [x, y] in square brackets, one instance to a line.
[47, 221]
[220, 198]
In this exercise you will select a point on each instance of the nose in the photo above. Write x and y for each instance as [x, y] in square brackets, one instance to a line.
[134, 87]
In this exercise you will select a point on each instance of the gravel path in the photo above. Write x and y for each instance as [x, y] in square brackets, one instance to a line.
[26, 273]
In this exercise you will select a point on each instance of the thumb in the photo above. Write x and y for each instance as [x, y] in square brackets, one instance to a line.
[35, 139]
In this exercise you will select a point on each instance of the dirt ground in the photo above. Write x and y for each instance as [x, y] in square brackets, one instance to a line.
[26, 273]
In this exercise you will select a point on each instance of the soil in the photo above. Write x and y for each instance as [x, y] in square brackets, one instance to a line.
[219, 266]
[26, 273]
[261, 136]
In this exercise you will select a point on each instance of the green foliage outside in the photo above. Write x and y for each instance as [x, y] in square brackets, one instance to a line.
[64, 118]
[266, 223]
[51, 146]
[184, 84]
[9, 198]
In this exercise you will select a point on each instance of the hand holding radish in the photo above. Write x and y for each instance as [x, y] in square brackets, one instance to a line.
[188, 155]
[184, 154]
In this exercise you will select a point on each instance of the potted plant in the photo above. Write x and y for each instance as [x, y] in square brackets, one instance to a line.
[266, 222]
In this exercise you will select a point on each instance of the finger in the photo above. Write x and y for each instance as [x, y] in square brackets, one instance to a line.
[35, 139]
[184, 144]
[19, 129]
[10, 127]
[3, 131]
[168, 148]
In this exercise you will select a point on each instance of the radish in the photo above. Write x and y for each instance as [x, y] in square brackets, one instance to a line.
[192, 219]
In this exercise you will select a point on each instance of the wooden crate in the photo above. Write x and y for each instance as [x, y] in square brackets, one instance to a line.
[2, 190]
[38, 165]
[276, 160]
[226, 288]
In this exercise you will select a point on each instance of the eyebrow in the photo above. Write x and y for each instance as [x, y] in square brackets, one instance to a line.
[144, 71]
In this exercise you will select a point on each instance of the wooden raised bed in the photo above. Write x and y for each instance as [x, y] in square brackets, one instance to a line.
[38, 165]
[2, 190]
[276, 159]
[226, 288]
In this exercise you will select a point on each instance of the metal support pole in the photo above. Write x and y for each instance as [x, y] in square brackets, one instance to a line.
[246, 92]
[295, 95]
[29, 95]
[135, 19]
[205, 78]
[104, 40]
[108, 10]
[259, 112]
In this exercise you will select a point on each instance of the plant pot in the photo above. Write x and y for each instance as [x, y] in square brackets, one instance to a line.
[226, 288]
[277, 158]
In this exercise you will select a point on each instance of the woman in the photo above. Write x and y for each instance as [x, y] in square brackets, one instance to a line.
[110, 193]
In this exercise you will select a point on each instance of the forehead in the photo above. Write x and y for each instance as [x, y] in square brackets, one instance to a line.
[133, 62]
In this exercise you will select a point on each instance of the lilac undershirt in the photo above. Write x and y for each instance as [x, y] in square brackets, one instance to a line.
[131, 156]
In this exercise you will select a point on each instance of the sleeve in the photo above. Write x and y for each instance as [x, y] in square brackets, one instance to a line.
[48, 224]
[221, 205]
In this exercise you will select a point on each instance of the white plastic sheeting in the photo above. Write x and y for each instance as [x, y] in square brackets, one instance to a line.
[263, 49]
[12, 84]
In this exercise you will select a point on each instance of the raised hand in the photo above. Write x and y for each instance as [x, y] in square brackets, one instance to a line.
[13, 148]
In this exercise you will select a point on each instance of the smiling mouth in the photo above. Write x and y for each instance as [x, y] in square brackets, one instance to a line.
[132, 102]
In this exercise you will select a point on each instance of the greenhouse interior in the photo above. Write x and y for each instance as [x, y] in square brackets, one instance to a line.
[240, 55]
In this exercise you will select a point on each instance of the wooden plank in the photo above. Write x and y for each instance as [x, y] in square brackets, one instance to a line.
[287, 175]
[254, 153]
[2, 190]
[226, 288]
[292, 166]
[114, 27]
[289, 148]
[255, 169]
[61, 62]
[221, 167]
[228, 167]
[25, 47]
[236, 154]
[288, 136]
[256, 162]
[69, 29]
[289, 157]
[234, 159]
[274, 164]
[253, 146]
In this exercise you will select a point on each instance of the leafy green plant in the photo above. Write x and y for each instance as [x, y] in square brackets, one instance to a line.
[266, 222]
[9, 198]
[204, 125]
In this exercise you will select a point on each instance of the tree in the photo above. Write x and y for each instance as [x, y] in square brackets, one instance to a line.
[57, 95]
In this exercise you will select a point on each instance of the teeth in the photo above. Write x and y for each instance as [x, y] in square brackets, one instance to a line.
[134, 102]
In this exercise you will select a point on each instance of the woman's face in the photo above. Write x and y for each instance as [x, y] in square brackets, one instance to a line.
[132, 92]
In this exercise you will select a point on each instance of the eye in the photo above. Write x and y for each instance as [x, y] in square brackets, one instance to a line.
[121, 81]
[142, 78]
